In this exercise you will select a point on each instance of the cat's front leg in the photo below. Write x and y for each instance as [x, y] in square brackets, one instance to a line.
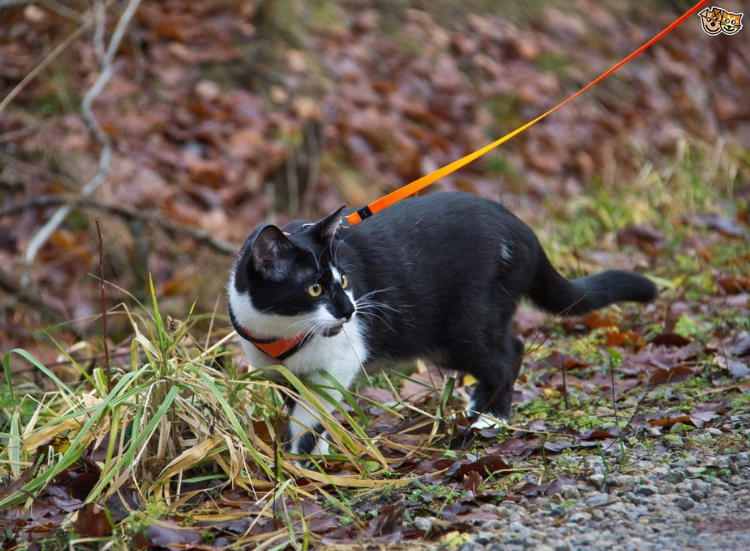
[305, 434]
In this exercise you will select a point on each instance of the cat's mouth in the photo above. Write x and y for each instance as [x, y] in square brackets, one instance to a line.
[333, 331]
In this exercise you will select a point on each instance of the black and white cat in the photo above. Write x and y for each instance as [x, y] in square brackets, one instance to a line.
[436, 277]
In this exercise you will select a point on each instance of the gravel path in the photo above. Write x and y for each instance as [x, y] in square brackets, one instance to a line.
[693, 495]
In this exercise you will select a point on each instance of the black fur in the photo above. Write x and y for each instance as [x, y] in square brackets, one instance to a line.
[454, 294]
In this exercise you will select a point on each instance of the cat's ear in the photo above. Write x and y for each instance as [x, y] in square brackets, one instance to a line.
[273, 254]
[326, 228]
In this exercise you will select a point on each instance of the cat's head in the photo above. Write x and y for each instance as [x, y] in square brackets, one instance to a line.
[287, 281]
[731, 23]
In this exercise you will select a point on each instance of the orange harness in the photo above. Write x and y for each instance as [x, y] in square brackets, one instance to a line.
[278, 349]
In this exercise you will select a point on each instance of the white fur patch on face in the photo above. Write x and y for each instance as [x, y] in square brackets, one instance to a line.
[336, 275]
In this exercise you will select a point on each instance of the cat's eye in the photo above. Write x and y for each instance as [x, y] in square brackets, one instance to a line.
[315, 290]
[344, 281]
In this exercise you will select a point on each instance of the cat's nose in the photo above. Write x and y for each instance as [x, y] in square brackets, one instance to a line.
[345, 308]
[349, 312]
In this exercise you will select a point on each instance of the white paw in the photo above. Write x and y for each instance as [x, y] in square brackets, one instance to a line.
[321, 447]
[482, 421]
[486, 421]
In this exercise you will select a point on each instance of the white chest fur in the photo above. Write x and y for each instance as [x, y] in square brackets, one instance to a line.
[342, 355]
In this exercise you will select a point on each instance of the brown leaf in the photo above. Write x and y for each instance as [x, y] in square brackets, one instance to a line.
[673, 375]
[390, 518]
[484, 466]
[736, 368]
[167, 534]
[730, 227]
[668, 419]
[733, 284]
[546, 488]
[600, 434]
[472, 481]
[739, 345]
[516, 447]
[647, 238]
[615, 337]
[558, 359]
[558, 445]
[93, 521]
[598, 319]
[670, 339]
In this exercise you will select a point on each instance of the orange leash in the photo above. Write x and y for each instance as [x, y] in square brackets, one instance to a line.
[431, 178]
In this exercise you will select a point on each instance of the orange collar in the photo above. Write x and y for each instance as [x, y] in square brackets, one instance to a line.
[278, 349]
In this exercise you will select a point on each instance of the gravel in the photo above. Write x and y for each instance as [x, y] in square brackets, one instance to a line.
[696, 496]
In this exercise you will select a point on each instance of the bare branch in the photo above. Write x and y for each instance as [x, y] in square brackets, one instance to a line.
[129, 214]
[27, 297]
[41, 237]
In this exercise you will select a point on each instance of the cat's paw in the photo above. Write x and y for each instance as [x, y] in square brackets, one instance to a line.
[486, 421]
[480, 421]
[309, 443]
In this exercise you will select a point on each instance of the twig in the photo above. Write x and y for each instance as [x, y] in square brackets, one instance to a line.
[25, 296]
[129, 214]
[30, 168]
[107, 362]
[26, 130]
[41, 237]
[612, 382]
[565, 383]
[60, 48]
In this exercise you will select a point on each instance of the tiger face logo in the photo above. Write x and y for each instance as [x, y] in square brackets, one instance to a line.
[731, 23]
[711, 20]
[715, 20]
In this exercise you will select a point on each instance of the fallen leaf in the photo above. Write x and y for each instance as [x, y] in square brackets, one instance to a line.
[484, 466]
[670, 339]
[390, 518]
[472, 481]
[169, 534]
[645, 237]
[559, 360]
[673, 375]
[730, 227]
[736, 368]
[733, 284]
[739, 345]
[93, 521]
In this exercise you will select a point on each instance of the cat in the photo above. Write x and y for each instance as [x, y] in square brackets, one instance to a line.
[435, 277]
[731, 23]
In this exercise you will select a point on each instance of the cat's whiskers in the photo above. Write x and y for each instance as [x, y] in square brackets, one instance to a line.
[369, 310]
[308, 326]
[375, 309]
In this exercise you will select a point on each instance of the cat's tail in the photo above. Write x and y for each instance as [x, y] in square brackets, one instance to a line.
[557, 295]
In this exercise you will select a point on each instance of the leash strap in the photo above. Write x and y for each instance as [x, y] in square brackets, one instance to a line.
[431, 178]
